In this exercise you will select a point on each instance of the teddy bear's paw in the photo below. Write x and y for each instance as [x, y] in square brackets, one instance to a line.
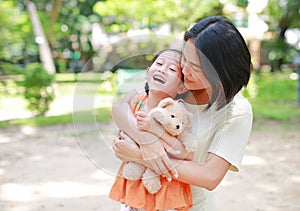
[133, 171]
[151, 181]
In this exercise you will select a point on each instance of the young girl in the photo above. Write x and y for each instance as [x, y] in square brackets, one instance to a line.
[163, 80]
[216, 64]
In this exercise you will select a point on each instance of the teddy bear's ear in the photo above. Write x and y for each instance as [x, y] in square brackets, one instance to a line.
[166, 102]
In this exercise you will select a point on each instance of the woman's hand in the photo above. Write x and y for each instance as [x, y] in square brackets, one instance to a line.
[155, 155]
[175, 148]
[152, 155]
[125, 149]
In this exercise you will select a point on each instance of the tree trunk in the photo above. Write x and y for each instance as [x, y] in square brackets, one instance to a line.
[44, 49]
[54, 15]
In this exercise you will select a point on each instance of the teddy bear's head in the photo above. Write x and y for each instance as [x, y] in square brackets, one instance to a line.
[172, 115]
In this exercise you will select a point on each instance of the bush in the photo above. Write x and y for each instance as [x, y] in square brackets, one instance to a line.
[38, 89]
[10, 69]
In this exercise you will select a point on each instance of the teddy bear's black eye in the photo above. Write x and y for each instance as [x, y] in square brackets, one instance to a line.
[172, 116]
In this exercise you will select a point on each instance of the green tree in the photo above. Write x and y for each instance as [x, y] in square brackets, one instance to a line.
[135, 14]
[44, 48]
[15, 39]
[280, 16]
[69, 26]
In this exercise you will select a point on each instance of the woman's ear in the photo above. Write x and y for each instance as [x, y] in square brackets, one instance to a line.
[181, 89]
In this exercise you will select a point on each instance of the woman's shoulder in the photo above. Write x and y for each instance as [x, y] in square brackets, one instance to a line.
[240, 105]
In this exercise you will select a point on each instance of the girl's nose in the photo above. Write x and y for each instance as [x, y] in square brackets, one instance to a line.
[162, 70]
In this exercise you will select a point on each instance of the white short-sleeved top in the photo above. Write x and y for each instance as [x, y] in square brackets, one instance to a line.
[224, 132]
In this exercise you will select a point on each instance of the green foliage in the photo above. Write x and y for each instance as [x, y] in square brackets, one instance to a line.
[10, 69]
[16, 35]
[38, 90]
[278, 50]
[275, 97]
[282, 15]
[135, 14]
[242, 3]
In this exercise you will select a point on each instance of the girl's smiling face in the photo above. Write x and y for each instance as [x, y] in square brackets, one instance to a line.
[164, 75]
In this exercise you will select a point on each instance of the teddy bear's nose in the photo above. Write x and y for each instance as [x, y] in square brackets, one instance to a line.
[177, 127]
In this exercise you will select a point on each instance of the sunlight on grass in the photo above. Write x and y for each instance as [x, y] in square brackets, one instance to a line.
[101, 115]
[272, 95]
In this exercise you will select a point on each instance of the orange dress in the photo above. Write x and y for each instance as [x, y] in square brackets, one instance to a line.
[172, 195]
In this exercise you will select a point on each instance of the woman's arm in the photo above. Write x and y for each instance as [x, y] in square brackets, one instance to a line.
[206, 175]
[151, 148]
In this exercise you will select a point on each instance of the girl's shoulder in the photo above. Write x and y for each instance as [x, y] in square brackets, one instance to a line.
[142, 97]
[139, 102]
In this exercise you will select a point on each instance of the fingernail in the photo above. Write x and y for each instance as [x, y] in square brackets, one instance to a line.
[169, 179]
[176, 175]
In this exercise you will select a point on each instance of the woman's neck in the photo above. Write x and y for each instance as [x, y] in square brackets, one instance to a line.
[198, 97]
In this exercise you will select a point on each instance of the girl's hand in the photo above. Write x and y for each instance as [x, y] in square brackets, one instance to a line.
[148, 123]
[143, 121]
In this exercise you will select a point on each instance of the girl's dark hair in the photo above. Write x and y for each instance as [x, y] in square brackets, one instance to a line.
[224, 56]
[155, 57]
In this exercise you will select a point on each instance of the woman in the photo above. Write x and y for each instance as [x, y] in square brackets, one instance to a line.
[216, 65]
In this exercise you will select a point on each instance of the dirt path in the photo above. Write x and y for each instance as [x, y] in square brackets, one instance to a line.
[47, 168]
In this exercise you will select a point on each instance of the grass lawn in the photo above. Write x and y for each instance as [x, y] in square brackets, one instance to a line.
[273, 97]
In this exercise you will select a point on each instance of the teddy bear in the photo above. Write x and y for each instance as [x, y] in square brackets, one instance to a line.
[176, 120]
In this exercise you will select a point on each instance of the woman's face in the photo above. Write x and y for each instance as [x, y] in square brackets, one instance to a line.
[194, 78]
[164, 75]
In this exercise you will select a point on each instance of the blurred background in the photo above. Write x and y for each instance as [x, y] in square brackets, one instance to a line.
[55, 40]
[64, 62]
